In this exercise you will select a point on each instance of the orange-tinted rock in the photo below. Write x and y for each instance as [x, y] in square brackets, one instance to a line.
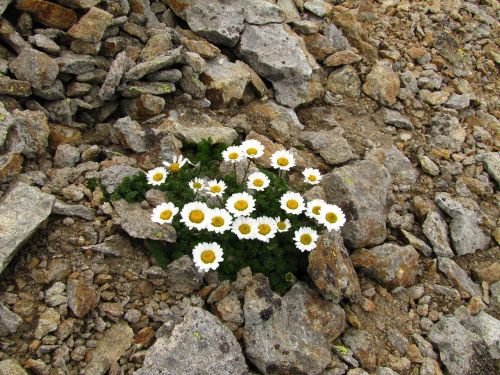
[60, 134]
[48, 14]
[10, 165]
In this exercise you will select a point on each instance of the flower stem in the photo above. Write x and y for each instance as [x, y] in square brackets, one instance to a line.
[220, 202]
[246, 172]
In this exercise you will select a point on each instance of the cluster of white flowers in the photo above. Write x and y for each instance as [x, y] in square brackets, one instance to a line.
[235, 210]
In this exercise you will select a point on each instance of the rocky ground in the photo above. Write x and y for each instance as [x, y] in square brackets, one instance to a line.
[396, 101]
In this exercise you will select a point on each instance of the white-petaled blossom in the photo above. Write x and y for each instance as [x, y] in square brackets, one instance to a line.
[219, 220]
[266, 228]
[258, 181]
[292, 203]
[252, 148]
[195, 215]
[305, 239]
[197, 185]
[312, 176]
[313, 208]
[282, 225]
[240, 204]
[232, 154]
[216, 188]
[177, 163]
[245, 228]
[283, 160]
[157, 176]
[164, 213]
[207, 256]
[332, 217]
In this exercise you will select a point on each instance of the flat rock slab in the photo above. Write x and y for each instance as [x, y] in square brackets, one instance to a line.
[200, 345]
[21, 213]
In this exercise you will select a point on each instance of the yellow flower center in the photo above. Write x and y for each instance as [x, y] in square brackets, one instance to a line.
[233, 155]
[217, 221]
[174, 167]
[264, 229]
[292, 204]
[215, 189]
[165, 215]
[282, 162]
[207, 256]
[258, 182]
[158, 176]
[252, 151]
[312, 178]
[281, 225]
[316, 210]
[305, 239]
[197, 185]
[196, 216]
[244, 228]
[331, 217]
[241, 205]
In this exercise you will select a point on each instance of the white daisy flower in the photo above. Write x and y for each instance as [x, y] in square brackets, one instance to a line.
[240, 204]
[207, 256]
[282, 225]
[314, 207]
[252, 148]
[245, 228]
[332, 217]
[216, 188]
[233, 154]
[157, 176]
[195, 215]
[164, 213]
[312, 176]
[219, 220]
[305, 239]
[292, 203]
[266, 228]
[197, 185]
[258, 181]
[283, 160]
[177, 163]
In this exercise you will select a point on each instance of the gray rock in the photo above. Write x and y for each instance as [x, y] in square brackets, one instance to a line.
[11, 367]
[31, 133]
[396, 119]
[6, 122]
[382, 84]
[331, 269]
[488, 328]
[424, 346]
[66, 156]
[495, 295]
[112, 176]
[260, 12]
[130, 134]
[210, 347]
[491, 162]
[361, 189]
[133, 90]
[362, 344]
[9, 321]
[445, 132]
[22, 211]
[170, 75]
[220, 23]
[47, 322]
[44, 43]
[330, 144]
[35, 67]
[91, 26]
[61, 111]
[318, 7]
[191, 84]
[289, 10]
[436, 230]
[390, 264]
[218, 134]
[52, 92]
[73, 63]
[398, 165]
[333, 33]
[120, 65]
[456, 101]
[3, 5]
[136, 221]
[275, 52]
[465, 232]
[115, 341]
[344, 81]
[182, 276]
[75, 210]
[428, 165]
[385, 371]
[166, 60]
[417, 243]
[459, 278]
[430, 80]
[55, 295]
[277, 339]
[115, 245]
[461, 351]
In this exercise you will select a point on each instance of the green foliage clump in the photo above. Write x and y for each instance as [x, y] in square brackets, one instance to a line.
[132, 188]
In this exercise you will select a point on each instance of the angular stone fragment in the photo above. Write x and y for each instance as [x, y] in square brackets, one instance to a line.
[115, 245]
[344, 81]
[91, 27]
[166, 60]
[47, 322]
[201, 337]
[82, 297]
[459, 278]
[362, 344]
[35, 67]
[112, 176]
[390, 264]
[75, 210]
[382, 84]
[182, 276]
[74, 63]
[445, 132]
[396, 119]
[488, 328]
[120, 65]
[15, 87]
[22, 210]
[48, 13]
[136, 89]
[330, 144]
[398, 165]
[218, 134]
[360, 189]
[436, 230]
[342, 58]
[491, 162]
[130, 134]
[11, 367]
[9, 321]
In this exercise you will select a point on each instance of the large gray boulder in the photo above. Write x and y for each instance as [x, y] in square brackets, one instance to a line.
[361, 190]
[200, 345]
[22, 211]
